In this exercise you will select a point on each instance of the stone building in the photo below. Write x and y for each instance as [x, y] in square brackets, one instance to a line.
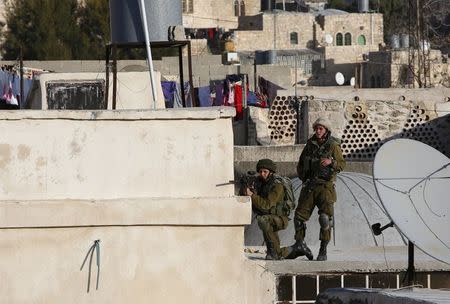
[217, 13]
[390, 68]
[342, 37]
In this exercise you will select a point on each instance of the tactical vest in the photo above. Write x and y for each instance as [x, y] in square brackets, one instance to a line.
[311, 160]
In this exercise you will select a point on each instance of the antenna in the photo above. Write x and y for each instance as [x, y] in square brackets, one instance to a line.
[412, 182]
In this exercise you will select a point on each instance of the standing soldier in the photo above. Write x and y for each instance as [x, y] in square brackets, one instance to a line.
[319, 162]
[267, 199]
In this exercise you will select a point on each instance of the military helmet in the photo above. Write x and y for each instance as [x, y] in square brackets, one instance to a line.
[266, 164]
[323, 122]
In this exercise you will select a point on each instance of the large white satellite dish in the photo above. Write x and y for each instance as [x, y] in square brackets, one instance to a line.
[328, 38]
[339, 78]
[412, 181]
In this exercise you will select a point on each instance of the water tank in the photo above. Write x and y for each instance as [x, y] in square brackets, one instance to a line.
[404, 40]
[267, 5]
[126, 25]
[272, 57]
[395, 41]
[363, 6]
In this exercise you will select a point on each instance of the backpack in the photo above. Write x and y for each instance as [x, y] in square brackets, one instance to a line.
[288, 203]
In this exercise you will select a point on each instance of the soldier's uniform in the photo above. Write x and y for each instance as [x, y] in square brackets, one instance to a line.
[317, 190]
[266, 204]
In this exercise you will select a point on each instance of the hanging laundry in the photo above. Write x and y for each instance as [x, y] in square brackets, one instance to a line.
[238, 100]
[204, 96]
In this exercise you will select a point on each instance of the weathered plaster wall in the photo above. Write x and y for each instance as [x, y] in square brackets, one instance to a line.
[147, 184]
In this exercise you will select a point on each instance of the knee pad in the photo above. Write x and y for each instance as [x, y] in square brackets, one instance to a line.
[324, 221]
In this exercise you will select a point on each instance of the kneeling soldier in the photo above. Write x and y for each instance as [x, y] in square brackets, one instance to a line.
[266, 196]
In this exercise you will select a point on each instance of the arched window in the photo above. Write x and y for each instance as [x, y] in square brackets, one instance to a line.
[242, 8]
[362, 40]
[348, 39]
[236, 8]
[338, 39]
[294, 38]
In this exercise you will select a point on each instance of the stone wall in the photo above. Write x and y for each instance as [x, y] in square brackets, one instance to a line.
[364, 119]
[368, 25]
[311, 31]
[211, 14]
[390, 69]
[277, 28]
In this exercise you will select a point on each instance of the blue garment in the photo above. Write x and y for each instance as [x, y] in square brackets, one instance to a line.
[169, 88]
[251, 98]
[204, 96]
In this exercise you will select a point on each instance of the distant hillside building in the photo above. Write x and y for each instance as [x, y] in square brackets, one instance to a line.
[341, 37]
[397, 68]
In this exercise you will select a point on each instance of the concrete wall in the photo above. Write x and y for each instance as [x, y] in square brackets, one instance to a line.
[144, 183]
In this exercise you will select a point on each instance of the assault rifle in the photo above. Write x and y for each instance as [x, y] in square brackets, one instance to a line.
[245, 181]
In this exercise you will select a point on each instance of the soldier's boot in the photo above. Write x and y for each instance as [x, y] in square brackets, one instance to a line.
[299, 249]
[322, 256]
[271, 252]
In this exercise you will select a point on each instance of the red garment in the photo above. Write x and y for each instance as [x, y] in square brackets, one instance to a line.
[238, 101]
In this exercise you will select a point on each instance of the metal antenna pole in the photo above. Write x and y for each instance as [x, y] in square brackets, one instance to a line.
[149, 52]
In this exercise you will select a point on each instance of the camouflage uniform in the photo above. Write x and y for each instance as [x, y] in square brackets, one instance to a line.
[318, 183]
[266, 202]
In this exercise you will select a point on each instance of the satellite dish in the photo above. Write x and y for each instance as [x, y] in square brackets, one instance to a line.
[339, 78]
[352, 81]
[328, 38]
[412, 181]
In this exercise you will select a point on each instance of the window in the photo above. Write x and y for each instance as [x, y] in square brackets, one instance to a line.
[294, 38]
[339, 39]
[242, 8]
[348, 39]
[236, 8]
[188, 6]
[362, 40]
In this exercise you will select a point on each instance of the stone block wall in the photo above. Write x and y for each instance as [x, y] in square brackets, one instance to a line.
[364, 119]
[311, 30]
[390, 69]
[277, 28]
[368, 25]
[211, 14]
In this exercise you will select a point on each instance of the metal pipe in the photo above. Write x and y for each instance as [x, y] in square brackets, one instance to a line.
[108, 50]
[21, 100]
[180, 63]
[149, 52]
[114, 69]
